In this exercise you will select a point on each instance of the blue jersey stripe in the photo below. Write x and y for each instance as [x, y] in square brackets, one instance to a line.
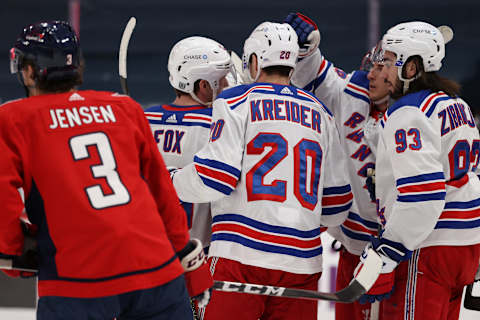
[231, 217]
[337, 190]
[218, 165]
[368, 224]
[266, 247]
[216, 185]
[355, 235]
[457, 224]
[422, 197]
[313, 85]
[421, 178]
[357, 95]
[335, 210]
[434, 105]
[462, 205]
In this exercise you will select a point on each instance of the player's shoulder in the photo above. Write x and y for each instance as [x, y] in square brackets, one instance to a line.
[310, 97]
[245, 89]
[422, 100]
[358, 85]
[11, 103]
[173, 108]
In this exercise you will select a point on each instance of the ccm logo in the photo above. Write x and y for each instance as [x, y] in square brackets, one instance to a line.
[198, 259]
[252, 288]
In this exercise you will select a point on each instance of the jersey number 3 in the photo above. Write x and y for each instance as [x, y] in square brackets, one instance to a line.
[106, 169]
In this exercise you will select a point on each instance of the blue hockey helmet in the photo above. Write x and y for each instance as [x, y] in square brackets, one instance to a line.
[52, 47]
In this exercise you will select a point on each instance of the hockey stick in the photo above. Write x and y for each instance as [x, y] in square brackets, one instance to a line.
[357, 287]
[122, 53]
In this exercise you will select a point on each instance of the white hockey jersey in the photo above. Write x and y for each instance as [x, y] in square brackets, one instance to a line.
[428, 192]
[275, 167]
[180, 131]
[346, 95]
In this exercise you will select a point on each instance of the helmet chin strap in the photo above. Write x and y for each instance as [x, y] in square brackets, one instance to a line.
[406, 82]
[206, 103]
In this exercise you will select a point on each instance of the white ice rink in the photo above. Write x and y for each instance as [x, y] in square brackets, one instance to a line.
[326, 311]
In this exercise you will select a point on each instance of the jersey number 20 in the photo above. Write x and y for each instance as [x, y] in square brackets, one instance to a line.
[305, 181]
[106, 169]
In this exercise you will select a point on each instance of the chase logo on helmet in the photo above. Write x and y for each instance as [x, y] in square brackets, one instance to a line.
[195, 57]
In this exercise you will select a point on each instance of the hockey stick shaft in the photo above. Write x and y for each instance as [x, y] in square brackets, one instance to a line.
[122, 53]
[357, 287]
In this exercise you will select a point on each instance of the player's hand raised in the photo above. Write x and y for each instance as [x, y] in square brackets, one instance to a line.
[307, 32]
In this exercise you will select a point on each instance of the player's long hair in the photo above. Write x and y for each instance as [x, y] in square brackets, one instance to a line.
[432, 81]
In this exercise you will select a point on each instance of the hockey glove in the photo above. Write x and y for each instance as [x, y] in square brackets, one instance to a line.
[392, 253]
[197, 274]
[307, 32]
[371, 184]
[29, 257]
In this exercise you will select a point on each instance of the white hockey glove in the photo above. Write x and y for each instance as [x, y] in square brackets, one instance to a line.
[307, 32]
[197, 274]
[391, 253]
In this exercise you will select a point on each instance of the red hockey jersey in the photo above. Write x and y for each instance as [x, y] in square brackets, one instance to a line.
[95, 184]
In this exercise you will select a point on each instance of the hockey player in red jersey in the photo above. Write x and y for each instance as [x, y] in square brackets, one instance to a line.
[198, 67]
[112, 237]
[358, 101]
[275, 172]
[427, 189]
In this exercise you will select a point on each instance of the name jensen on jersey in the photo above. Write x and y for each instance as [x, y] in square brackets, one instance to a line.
[71, 117]
[285, 110]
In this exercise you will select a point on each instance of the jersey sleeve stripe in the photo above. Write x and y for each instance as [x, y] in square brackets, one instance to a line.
[321, 75]
[355, 235]
[336, 200]
[460, 215]
[337, 190]
[214, 164]
[357, 92]
[217, 176]
[420, 188]
[336, 210]
[372, 225]
[421, 178]
[422, 197]
[216, 185]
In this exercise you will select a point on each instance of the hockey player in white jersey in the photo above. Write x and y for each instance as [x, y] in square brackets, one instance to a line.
[275, 172]
[428, 193]
[197, 67]
[358, 101]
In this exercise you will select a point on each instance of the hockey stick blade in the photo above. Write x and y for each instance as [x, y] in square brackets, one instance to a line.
[357, 287]
[471, 302]
[122, 53]
[17, 263]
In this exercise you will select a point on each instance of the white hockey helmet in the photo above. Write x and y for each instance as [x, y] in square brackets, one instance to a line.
[198, 58]
[415, 39]
[274, 44]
